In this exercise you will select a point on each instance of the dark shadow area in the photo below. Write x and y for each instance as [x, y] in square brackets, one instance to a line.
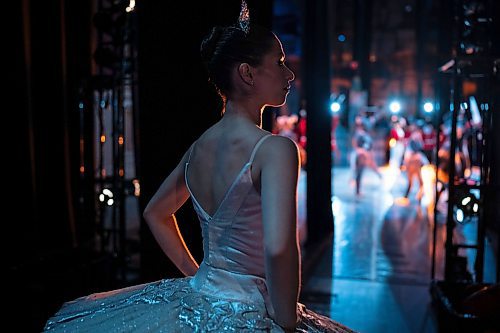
[406, 242]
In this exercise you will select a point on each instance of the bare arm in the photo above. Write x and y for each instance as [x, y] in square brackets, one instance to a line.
[159, 214]
[279, 175]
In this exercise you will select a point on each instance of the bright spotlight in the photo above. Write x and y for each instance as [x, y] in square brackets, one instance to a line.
[459, 216]
[106, 196]
[335, 107]
[131, 6]
[466, 207]
[395, 107]
[428, 107]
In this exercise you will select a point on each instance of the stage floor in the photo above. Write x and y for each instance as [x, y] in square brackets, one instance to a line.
[375, 275]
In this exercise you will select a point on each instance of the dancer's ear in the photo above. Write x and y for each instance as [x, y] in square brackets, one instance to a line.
[245, 73]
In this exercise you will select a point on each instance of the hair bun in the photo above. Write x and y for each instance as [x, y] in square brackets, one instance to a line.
[209, 44]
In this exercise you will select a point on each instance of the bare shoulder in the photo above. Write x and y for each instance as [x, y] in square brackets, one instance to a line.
[279, 141]
[278, 149]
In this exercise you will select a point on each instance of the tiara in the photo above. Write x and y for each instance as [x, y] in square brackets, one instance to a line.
[244, 18]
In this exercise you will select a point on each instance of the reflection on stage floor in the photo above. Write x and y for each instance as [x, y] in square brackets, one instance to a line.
[375, 275]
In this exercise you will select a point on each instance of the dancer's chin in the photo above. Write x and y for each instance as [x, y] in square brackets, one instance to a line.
[277, 105]
[281, 103]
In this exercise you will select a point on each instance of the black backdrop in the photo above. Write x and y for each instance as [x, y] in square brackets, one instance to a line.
[176, 101]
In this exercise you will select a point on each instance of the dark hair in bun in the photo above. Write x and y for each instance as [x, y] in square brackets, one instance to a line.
[225, 47]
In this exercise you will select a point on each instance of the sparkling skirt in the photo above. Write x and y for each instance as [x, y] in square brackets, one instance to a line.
[173, 305]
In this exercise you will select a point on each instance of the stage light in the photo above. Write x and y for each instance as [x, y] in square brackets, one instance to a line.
[335, 107]
[336, 102]
[459, 215]
[131, 6]
[428, 107]
[137, 187]
[466, 207]
[106, 196]
[341, 38]
[395, 107]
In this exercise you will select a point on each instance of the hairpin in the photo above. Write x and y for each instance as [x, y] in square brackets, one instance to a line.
[244, 19]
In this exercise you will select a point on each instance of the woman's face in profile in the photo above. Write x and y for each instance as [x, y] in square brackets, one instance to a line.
[272, 77]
